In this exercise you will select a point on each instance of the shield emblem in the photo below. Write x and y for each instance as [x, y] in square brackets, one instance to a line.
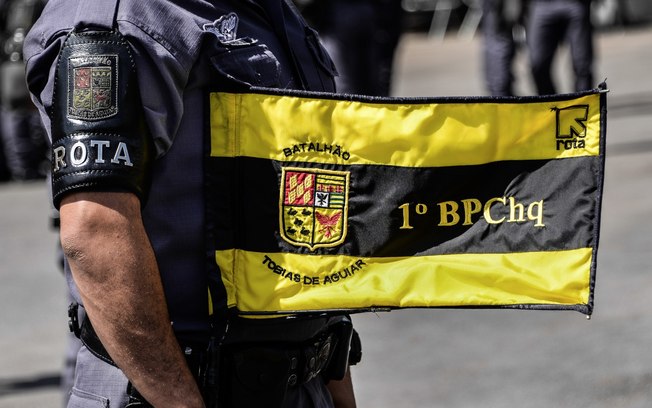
[314, 207]
[92, 87]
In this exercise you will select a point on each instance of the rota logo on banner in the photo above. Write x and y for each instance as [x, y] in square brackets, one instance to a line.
[571, 126]
[314, 207]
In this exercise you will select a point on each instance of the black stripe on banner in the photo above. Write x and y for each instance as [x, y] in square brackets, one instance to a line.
[397, 211]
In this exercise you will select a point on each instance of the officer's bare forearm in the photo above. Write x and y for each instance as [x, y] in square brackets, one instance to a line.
[115, 270]
[342, 391]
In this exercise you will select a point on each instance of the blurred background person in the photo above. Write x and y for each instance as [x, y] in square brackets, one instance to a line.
[4, 170]
[361, 36]
[550, 23]
[5, 175]
[22, 137]
[503, 33]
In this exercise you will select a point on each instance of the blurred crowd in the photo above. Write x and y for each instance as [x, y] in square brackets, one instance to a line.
[362, 37]
[23, 143]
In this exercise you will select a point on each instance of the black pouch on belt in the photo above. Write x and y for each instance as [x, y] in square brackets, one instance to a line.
[339, 359]
[264, 358]
[254, 376]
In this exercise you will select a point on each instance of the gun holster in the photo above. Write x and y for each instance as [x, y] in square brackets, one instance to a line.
[260, 372]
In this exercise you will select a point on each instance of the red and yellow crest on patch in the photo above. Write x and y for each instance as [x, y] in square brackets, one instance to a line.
[314, 207]
[92, 87]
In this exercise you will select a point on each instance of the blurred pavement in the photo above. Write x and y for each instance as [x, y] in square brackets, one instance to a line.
[425, 358]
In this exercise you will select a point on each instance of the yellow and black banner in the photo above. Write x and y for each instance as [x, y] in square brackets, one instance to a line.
[323, 202]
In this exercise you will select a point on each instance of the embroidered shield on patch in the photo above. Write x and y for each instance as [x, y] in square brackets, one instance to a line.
[92, 87]
[314, 207]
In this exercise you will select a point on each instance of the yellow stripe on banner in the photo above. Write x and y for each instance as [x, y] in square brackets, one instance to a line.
[292, 128]
[534, 278]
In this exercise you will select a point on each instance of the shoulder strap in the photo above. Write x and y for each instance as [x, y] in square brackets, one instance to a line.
[100, 14]
[291, 29]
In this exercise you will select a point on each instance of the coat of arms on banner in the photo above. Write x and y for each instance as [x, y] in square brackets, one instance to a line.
[314, 207]
[92, 87]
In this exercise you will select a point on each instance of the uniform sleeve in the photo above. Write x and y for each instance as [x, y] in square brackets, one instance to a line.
[162, 73]
[165, 40]
[111, 102]
[41, 49]
[162, 78]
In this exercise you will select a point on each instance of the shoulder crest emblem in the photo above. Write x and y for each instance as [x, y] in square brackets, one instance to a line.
[92, 87]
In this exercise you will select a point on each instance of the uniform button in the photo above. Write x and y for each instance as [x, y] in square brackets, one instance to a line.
[292, 380]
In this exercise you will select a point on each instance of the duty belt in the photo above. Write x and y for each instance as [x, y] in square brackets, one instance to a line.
[304, 362]
[270, 367]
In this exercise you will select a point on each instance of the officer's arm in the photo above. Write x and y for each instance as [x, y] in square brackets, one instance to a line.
[115, 270]
[342, 392]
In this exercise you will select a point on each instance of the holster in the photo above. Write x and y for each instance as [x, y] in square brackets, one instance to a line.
[262, 360]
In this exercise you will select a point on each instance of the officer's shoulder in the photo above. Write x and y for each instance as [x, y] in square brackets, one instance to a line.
[167, 22]
[56, 20]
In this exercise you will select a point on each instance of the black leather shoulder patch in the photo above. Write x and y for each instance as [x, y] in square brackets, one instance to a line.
[99, 138]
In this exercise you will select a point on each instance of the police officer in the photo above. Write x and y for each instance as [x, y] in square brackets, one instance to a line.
[500, 23]
[121, 87]
[550, 23]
